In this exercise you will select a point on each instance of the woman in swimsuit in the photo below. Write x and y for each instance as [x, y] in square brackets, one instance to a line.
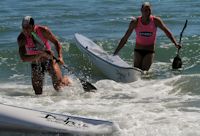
[145, 27]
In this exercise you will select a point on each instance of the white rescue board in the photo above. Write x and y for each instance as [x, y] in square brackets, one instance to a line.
[113, 67]
[14, 118]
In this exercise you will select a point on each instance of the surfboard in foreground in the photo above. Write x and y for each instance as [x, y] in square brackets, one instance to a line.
[14, 118]
[111, 66]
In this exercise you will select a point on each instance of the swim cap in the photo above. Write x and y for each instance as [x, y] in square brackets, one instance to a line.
[27, 20]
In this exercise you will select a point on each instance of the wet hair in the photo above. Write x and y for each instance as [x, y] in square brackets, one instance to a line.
[146, 4]
[27, 20]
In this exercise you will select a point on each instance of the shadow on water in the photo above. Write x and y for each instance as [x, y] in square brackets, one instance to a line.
[20, 133]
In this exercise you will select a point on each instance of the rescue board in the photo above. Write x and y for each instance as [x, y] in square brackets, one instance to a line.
[113, 67]
[14, 118]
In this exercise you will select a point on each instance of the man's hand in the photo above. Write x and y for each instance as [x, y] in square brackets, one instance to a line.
[61, 61]
[44, 55]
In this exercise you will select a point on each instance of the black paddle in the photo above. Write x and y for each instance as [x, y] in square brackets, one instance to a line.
[177, 62]
[88, 87]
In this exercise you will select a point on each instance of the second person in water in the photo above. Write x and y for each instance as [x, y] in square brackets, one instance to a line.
[145, 27]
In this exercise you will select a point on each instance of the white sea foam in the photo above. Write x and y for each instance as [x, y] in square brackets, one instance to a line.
[144, 107]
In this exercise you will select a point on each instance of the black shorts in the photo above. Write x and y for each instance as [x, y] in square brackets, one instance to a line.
[143, 53]
[42, 66]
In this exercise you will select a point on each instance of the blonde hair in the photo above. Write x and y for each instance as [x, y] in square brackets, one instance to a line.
[146, 4]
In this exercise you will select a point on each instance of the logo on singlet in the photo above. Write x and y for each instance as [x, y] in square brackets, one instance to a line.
[146, 34]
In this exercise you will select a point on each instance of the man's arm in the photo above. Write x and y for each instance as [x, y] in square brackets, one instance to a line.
[51, 37]
[124, 39]
[159, 23]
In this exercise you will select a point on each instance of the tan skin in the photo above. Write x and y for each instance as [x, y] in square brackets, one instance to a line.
[144, 63]
[37, 78]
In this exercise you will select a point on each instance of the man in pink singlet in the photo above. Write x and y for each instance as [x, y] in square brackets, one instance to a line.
[41, 58]
[145, 27]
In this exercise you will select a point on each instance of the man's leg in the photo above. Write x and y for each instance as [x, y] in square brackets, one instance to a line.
[37, 78]
[57, 79]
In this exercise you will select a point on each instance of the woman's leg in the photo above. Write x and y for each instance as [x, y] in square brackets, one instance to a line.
[138, 60]
[147, 61]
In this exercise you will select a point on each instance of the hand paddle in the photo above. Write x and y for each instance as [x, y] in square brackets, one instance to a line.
[177, 62]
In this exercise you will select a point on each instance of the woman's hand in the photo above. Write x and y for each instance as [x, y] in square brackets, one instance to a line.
[178, 46]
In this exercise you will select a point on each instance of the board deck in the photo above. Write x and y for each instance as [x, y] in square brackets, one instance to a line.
[18, 118]
[113, 67]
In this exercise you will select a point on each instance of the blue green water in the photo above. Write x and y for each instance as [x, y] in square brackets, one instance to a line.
[103, 21]
[175, 94]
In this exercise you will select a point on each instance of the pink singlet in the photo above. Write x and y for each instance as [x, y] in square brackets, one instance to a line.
[30, 46]
[146, 34]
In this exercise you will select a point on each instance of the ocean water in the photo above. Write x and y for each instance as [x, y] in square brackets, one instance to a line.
[167, 103]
